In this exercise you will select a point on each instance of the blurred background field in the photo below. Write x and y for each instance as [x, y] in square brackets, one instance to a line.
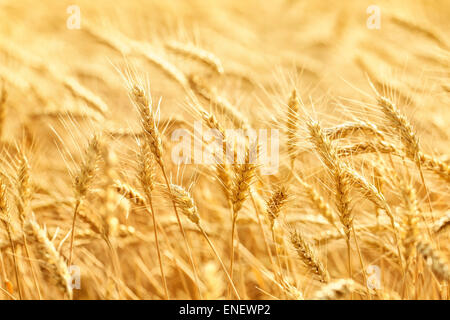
[63, 85]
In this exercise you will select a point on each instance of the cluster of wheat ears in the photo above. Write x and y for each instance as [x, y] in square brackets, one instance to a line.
[357, 209]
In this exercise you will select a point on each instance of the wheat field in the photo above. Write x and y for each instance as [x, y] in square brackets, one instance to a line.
[96, 95]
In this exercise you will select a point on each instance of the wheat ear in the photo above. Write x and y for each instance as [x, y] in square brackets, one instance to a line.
[319, 202]
[244, 176]
[367, 147]
[337, 289]
[434, 260]
[201, 88]
[329, 157]
[223, 169]
[130, 193]
[411, 216]
[407, 135]
[438, 167]
[52, 262]
[163, 64]
[153, 141]
[24, 187]
[442, 224]
[409, 235]
[348, 128]
[274, 205]
[308, 256]
[146, 178]
[292, 125]
[276, 202]
[23, 206]
[83, 182]
[191, 51]
[6, 218]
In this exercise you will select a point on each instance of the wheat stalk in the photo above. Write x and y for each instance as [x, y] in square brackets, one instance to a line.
[185, 202]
